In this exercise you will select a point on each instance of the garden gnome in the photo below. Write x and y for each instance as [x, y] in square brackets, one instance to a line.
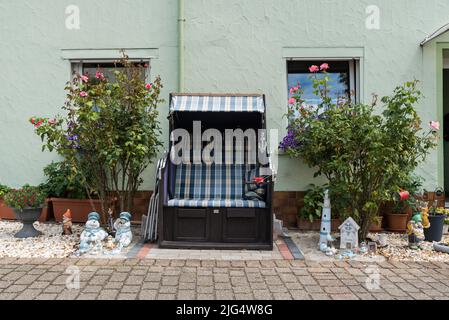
[93, 234]
[325, 230]
[67, 223]
[415, 232]
[123, 234]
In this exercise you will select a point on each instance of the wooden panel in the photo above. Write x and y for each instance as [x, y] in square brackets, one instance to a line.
[240, 225]
[191, 225]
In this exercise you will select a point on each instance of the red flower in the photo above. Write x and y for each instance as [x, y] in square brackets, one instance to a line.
[258, 180]
[38, 124]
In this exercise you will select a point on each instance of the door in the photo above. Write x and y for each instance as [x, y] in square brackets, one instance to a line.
[446, 128]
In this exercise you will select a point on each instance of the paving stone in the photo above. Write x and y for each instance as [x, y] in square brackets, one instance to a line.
[166, 296]
[127, 296]
[344, 296]
[186, 295]
[262, 295]
[47, 296]
[224, 294]
[28, 294]
[147, 295]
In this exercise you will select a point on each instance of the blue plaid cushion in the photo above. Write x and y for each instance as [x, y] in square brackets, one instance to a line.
[217, 203]
[210, 182]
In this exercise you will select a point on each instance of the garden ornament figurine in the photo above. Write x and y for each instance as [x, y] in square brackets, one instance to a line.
[93, 234]
[67, 223]
[110, 228]
[122, 225]
[415, 232]
[325, 230]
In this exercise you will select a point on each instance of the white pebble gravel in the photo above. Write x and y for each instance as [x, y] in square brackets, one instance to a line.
[51, 244]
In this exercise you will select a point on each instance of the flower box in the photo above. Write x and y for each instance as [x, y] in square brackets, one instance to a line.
[80, 208]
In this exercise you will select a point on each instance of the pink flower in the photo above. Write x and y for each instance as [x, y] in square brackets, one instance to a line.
[38, 124]
[33, 120]
[148, 86]
[99, 75]
[52, 121]
[84, 78]
[291, 101]
[314, 69]
[324, 67]
[83, 94]
[435, 125]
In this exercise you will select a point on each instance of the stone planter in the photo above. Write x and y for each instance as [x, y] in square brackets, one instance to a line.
[397, 222]
[80, 208]
[435, 232]
[28, 216]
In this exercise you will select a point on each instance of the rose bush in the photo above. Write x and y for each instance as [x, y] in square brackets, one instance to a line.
[109, 132]
[365, 154]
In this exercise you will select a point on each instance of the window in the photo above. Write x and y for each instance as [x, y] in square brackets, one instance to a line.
[342, 73]
[106, 67]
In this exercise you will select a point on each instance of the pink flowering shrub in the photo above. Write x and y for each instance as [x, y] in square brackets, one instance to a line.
[109, 131]
[367, 152]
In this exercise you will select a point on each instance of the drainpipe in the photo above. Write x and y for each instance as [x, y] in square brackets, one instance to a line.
[181, 22]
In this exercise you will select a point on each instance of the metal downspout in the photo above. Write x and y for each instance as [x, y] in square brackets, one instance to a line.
[181, 22]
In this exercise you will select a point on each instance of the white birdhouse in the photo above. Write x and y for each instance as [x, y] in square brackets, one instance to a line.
[349, 234]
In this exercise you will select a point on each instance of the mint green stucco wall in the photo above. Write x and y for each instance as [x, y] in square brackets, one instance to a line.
[33, 74]
[230, 46]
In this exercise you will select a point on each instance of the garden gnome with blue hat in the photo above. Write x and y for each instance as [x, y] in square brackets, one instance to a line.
[93, 234]
[122, 225]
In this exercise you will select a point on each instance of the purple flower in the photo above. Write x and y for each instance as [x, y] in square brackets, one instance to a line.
[289, 141]
[72, 137]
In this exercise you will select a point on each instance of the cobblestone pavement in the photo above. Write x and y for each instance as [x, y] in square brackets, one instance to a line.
[195, 279]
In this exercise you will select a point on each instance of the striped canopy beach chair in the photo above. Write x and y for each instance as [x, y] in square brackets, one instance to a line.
[218, 204]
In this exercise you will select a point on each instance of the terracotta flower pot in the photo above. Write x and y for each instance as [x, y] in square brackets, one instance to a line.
[306, 225]
[376, 227]
[397, 222]
[6, 213]
[80, 208]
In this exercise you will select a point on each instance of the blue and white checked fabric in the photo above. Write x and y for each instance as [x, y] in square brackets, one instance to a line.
[210, 182]
[217, 203]
[215, 185]
[194, 103]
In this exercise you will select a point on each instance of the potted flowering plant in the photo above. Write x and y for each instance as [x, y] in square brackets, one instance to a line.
[65, 190]
[27, 204]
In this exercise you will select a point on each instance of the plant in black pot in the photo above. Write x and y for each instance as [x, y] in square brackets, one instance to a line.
[437, 216]
[27, 204]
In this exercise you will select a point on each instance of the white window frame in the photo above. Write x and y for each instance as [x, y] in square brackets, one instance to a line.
[76, 66]
[354, 72]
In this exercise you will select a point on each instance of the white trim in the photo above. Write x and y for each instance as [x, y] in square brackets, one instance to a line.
[320, 53]
[109, 54]
[436, 34]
